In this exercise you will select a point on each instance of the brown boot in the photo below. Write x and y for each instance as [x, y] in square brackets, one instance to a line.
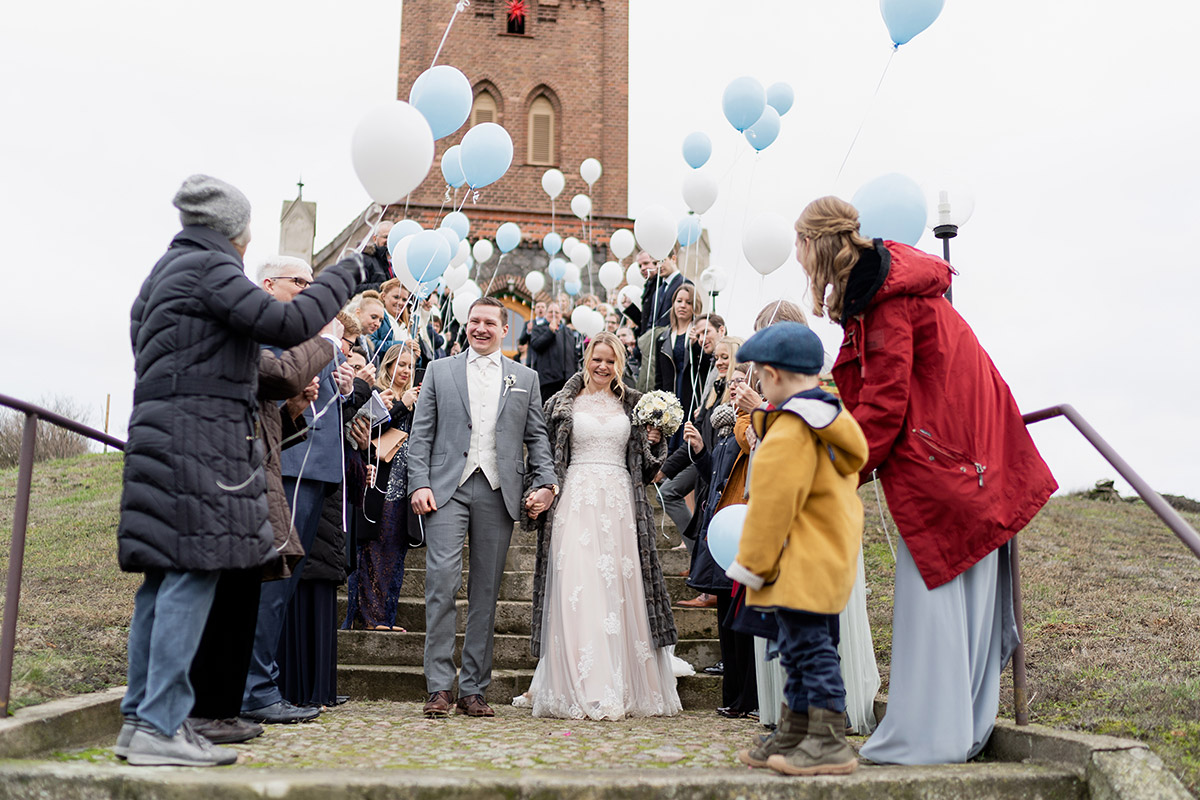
[438, 705]
[824, 751]
[787, 734]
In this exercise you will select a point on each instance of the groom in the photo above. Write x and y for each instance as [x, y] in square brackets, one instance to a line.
[466, 468]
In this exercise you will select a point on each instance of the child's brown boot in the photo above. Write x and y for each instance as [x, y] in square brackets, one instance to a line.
[788, 733]
[824, 751]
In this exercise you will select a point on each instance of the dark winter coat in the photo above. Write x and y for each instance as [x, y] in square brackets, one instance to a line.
[643, 460]
[715, 464]
[195, 491]
[377, 268]
[326, 561]
[695, 371]
[960, 470]
[282, 376]
[554, 354]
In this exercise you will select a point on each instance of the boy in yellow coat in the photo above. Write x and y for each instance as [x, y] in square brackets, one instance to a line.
[799, 547]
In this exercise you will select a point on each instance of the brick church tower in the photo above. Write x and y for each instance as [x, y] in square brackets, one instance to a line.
[557, 78]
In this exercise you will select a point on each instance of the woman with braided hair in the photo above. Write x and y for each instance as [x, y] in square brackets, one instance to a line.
[961, 474]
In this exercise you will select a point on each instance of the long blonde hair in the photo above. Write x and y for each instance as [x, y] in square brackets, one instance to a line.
[830, 225]
[388, 366]
[734, 343]
[604, 337]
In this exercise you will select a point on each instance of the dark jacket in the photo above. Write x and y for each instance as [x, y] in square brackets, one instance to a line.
[643, 460]
[554, 354]
[195, 493]
[280, 377]
[962, 474]
[326, 560]
[695, 371]
[715, 464]
[655, 313]
[377, 268]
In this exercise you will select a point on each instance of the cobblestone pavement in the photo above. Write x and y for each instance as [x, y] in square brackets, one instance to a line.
[384, 735]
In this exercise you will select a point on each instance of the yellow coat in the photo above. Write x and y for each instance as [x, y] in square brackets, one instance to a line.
[803, 530]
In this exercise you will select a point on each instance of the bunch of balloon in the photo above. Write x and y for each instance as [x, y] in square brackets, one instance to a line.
[590, 170]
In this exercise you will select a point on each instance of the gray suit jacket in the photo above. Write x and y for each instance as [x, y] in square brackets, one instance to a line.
[441, 432]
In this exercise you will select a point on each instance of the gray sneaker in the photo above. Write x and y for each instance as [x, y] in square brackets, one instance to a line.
[131, 724]
[149, 748]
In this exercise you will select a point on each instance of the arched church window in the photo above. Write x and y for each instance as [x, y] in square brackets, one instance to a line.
[541, 131]
[484, 109]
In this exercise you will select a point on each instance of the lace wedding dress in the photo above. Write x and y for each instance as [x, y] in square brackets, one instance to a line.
[598, 657]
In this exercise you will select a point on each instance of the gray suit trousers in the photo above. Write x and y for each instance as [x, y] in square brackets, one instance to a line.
[476, 515]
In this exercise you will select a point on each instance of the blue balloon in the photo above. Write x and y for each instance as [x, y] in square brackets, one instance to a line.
[443, 96]
[405, 227]
[697, 149]
[725, 534]
[891, 207]
[487, 153]
[451, 236]
[780, 97]
[508, 236]
[906, 18]
[552, 243]
[452, 167]
[688, 230]
[572, 287]
[743, 102]
[458, 222]
[761, 134]
[428, 256]
[557, 268]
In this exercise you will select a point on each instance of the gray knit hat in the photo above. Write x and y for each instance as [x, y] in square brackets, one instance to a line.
[213, 203]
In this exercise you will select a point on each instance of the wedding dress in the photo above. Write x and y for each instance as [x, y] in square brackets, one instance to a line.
[598, 656]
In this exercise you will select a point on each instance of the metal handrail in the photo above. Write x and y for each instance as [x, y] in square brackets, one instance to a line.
[1178, 525]
[16, 553]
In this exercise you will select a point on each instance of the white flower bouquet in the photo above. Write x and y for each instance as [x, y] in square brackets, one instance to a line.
[659, 409]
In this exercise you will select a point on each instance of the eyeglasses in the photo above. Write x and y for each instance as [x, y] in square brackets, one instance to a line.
[350, 342]
[303, 283]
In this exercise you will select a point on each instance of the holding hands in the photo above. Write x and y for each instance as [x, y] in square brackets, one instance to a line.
[538, 502]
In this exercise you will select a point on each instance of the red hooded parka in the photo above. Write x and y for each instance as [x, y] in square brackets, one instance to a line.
[961, 473]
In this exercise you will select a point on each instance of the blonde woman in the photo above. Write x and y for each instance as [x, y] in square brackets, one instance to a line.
[602, 621]
[374, 587]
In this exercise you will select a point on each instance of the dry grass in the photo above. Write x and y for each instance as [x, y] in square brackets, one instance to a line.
[1112, 608]
[1112, 624]
[51, 441]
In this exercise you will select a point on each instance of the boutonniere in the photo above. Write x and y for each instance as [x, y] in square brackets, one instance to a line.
[509, 382]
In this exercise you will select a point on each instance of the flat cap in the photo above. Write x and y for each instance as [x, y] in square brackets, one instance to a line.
[787, 345]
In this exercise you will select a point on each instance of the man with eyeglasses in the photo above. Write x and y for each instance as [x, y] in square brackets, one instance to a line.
[284, 277]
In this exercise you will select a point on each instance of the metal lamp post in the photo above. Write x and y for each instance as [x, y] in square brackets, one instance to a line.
[951, 211]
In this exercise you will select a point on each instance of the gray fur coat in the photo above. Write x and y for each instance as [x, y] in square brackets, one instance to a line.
[643, 460]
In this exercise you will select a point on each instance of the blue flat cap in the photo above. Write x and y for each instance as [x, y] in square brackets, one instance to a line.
[786, 345]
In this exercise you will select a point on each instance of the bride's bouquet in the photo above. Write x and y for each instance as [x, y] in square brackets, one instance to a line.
[659, 409]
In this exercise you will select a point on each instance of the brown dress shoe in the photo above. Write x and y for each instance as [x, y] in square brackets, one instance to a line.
[473, 705]
[439, 705]
[701, 601]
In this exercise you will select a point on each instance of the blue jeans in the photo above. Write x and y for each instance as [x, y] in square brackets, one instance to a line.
[808, 653]
[169, 613]
[262, 680]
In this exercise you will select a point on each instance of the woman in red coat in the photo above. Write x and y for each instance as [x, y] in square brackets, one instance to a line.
[960, 472]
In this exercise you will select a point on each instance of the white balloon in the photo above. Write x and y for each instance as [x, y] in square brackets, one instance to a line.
[655, 229]
[611, 275]
[579, 318]
[535, 282]
[469, 288]
[594, 322]
[456, 276]
[581, 206]
[634, 277]
[590, 171]
[568, 245]
[767, 242]
[621, 243]
[392, 151]
[714, 279]
[553, 183]
[482, 250]
[699, 191]
[581, 255]
[400, 265]
[572, 274]
[630, 294]
[461, 305]
[463, 253]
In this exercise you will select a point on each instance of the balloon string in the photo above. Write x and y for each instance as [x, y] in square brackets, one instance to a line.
[495, 272]
[458, 6]
[866, 115]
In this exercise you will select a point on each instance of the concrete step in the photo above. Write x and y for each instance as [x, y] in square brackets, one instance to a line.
[407, 684]
[511, 651]
[523, 558]
[519, 586]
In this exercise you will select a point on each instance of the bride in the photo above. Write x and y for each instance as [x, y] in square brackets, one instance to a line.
[602, 618]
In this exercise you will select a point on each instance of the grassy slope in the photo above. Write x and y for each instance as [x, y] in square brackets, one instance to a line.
[1112, 608]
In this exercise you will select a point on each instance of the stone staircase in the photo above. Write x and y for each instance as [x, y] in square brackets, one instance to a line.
[374, 665]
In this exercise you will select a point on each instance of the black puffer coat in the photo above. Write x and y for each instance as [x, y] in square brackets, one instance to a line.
[195, 492]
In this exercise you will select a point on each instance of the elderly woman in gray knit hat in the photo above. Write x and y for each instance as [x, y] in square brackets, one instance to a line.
[194, 500]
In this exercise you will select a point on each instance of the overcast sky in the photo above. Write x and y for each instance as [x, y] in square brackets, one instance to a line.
[1074, 122]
